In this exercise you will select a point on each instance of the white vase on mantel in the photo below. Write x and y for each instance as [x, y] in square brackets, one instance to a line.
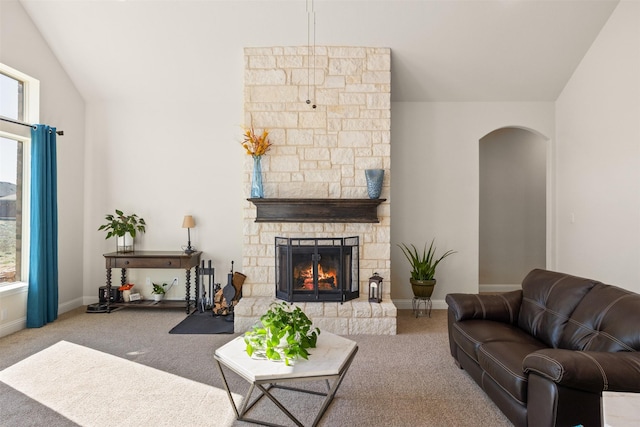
[125, 243]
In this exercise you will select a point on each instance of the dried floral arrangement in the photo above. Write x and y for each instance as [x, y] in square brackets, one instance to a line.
[256, 144]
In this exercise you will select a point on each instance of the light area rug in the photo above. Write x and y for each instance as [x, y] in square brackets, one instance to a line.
[621, 409]
[96, 389]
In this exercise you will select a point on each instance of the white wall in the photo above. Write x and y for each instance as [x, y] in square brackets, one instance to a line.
[23, 48]
[598, 157]
[435, 163]
[163, 158]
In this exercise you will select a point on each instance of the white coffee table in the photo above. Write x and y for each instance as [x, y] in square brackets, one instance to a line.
[329, 361]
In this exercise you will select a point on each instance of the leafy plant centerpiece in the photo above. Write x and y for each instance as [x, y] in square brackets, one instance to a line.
[284, 333]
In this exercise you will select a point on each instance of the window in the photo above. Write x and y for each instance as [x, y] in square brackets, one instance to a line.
[18, 92]
[10, 210]
[12, 96]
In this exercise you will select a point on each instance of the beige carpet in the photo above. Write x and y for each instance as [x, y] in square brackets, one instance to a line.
[403, 380]
[96, 389]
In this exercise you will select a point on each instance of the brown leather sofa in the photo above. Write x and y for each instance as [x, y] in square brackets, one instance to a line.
[545, 354]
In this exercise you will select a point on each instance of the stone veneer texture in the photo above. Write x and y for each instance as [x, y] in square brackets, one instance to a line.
[319, 153]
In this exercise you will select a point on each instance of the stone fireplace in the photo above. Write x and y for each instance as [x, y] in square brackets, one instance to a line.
[319, 156]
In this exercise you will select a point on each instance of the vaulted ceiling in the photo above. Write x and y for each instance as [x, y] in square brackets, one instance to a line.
[442, 50]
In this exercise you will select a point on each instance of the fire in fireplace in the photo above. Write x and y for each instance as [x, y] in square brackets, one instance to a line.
[321, 269]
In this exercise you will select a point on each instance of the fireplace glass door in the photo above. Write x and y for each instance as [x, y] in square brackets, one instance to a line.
[322, 269]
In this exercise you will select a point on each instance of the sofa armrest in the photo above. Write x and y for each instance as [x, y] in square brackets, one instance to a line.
[503, 307]
[592, 371]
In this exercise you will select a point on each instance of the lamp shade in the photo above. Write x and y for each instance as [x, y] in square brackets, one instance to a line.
[188, 222]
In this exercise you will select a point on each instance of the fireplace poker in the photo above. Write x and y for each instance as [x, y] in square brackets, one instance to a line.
[211, 279]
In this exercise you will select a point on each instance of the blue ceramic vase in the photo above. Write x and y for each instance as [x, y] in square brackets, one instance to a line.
[374, 182]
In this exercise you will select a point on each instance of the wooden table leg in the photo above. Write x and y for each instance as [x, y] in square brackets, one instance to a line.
[188, 286]
[108, 288]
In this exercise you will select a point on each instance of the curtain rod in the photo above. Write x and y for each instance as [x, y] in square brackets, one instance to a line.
[17, 122]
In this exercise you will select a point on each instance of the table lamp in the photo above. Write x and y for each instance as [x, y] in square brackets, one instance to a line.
[188, 222]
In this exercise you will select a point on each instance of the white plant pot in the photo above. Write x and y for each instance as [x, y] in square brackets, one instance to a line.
[125, 243]
[158, 297]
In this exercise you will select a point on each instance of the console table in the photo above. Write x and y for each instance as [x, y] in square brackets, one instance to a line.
[152, 259]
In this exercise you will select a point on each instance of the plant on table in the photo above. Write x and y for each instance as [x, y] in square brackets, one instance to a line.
[120, 224]
[124, 228]
[284, 333]
[159, 289]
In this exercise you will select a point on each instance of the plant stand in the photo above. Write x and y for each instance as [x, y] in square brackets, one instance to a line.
[424, 302]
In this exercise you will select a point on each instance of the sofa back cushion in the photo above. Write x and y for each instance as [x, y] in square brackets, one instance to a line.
[607, 319]
[548, 301]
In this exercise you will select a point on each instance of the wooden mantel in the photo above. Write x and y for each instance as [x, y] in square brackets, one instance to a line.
[317, 210]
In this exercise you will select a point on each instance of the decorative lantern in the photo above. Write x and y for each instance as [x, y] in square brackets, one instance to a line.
[375, 288]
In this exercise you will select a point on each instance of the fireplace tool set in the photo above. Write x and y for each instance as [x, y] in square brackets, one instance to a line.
[219, 300]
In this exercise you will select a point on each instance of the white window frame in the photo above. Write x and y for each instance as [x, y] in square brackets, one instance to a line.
[31, 92]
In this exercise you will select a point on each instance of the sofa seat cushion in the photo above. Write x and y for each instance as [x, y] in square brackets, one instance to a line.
[502, 361]
[470, 334]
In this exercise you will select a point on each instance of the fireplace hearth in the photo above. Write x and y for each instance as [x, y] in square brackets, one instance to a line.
[317, 269]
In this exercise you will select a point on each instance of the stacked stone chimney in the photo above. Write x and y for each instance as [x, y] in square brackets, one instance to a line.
[319, 152]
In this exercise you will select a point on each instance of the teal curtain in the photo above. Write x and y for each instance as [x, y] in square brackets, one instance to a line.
[42, 297]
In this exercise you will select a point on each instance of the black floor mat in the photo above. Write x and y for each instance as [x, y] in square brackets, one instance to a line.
[204, 323]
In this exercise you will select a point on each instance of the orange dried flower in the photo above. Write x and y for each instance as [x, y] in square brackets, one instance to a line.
[256, 145]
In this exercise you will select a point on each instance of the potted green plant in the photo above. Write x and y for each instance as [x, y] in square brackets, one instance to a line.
[158, 291]
[124, 228]
[283, 333]
[423, 268]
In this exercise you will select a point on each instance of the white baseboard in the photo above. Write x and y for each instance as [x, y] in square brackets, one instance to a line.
[70, 305]
[13, 326]
[21, 323]
[90, 300]
[499, 288]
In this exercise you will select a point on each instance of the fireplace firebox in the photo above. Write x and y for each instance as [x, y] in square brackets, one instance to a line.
[317, 269]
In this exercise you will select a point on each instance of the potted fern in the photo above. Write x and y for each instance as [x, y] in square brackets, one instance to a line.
[124, 228]
[283, 334]
[423, 268]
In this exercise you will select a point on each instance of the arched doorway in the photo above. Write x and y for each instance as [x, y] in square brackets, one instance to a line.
[513, 207]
